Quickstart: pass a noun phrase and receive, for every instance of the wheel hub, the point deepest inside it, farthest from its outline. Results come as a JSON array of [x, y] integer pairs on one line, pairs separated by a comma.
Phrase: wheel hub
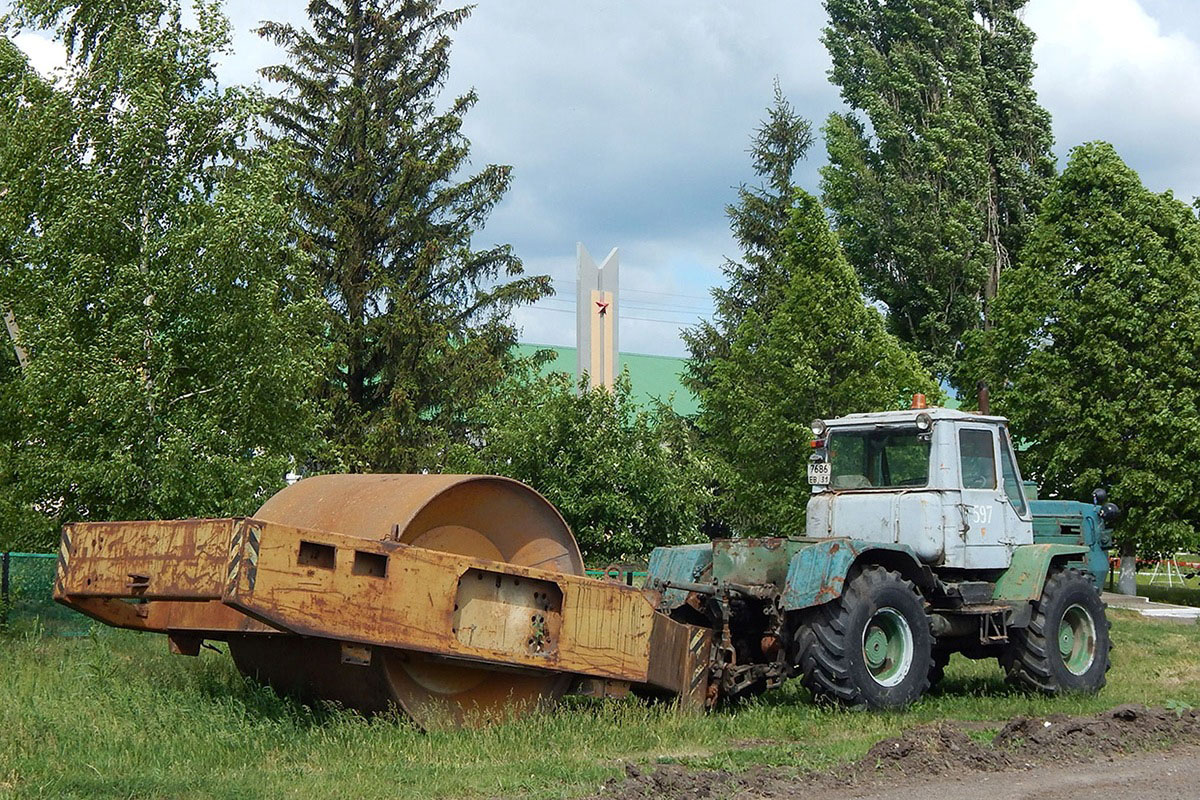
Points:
[[887, 646], [1077, 639]]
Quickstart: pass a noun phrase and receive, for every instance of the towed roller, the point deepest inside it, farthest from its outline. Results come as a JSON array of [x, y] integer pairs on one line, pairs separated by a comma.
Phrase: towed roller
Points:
[[488, 518], [455, 599]]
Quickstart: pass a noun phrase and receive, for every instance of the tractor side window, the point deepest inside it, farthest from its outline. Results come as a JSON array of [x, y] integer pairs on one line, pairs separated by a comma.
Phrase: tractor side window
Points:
[[1012, 481], [977, 457]]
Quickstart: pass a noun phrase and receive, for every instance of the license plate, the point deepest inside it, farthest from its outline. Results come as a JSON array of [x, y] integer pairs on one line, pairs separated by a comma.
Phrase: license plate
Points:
[[818, 473]]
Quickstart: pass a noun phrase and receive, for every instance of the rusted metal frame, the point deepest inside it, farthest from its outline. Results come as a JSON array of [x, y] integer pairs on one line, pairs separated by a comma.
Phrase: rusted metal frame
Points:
[[152, 560], [156, 576], [199, 579], [602, 629]]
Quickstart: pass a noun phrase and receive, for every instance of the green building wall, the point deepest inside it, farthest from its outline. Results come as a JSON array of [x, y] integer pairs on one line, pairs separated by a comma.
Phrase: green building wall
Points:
[[652, 377]]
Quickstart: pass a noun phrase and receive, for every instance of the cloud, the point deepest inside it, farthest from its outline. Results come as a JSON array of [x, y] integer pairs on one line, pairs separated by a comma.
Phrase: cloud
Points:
[[627, 124], [45, 54], [1108, 69]]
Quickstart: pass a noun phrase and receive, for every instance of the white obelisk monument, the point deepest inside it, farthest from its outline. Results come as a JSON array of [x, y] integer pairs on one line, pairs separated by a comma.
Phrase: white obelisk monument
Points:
[[596, 318]]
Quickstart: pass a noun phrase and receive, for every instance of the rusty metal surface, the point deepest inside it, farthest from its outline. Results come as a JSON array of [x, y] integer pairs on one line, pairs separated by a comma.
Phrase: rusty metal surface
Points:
[[484, 517], [456, 599], [679, 661], [443, 604], [154, 560], [155, 576]]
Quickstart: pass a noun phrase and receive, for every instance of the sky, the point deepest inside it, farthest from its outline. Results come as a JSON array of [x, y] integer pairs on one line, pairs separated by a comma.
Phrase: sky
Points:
[[627, 123]]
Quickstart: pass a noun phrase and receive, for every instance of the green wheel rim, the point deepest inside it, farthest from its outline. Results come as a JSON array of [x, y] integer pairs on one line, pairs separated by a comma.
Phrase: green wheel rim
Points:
[[1077, 639], [887, 645]]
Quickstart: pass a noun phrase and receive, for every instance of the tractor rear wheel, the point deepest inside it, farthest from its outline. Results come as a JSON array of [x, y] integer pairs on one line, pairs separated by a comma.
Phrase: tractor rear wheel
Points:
[[871, 647], [1066, 646]]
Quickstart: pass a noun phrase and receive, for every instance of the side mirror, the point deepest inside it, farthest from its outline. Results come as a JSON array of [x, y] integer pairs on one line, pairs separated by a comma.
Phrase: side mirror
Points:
[[1109, 512], [1100, 497]]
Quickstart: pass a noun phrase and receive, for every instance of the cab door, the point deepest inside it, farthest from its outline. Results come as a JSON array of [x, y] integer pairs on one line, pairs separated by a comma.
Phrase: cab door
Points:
[[1018, 519], [987, 542]]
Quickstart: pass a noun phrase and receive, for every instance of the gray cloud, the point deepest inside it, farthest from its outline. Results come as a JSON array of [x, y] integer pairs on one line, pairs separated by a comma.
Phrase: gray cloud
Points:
[[627, 124]]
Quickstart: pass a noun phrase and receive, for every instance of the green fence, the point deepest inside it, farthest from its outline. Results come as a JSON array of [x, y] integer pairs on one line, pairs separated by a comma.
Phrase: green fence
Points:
[[26, 597]]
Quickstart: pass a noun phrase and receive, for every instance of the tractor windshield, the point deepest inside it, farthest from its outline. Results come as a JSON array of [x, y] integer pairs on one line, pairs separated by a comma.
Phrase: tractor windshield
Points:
[[881, 458]]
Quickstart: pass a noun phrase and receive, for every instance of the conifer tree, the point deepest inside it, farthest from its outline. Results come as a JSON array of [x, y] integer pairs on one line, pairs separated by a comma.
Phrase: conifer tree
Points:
[[418, 315], [757, 220]]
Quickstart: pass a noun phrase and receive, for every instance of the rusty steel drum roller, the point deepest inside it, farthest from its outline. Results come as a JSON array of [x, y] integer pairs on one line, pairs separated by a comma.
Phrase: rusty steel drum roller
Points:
[[481, 516]]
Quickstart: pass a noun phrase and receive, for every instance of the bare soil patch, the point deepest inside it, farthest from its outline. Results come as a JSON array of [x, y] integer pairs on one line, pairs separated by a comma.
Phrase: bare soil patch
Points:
[[929, 752]]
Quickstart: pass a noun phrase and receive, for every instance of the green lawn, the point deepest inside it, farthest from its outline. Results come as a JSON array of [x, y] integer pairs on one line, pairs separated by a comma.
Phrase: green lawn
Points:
[[114, 715]]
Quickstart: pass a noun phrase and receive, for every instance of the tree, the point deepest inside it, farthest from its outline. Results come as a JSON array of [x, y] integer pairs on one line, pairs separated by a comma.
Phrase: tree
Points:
[[34, 131], [757, 220], [933, 191], [417, 315], [815, 350], [172, 335], [1094, 353], [626, 478], [1020, 164]]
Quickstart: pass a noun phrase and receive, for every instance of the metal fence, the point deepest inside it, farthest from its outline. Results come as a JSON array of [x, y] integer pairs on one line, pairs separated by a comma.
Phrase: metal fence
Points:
[[26, 597]]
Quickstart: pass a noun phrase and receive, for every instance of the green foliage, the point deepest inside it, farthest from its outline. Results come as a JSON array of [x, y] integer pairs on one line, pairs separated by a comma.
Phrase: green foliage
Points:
[[417, 315], [1095, 350], [626, 478], [813, 349], [150, 262], [933, 190], [757, 220]]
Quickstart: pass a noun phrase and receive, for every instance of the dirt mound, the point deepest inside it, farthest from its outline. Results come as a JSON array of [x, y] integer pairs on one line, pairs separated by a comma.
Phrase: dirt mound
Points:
[[930, 750]]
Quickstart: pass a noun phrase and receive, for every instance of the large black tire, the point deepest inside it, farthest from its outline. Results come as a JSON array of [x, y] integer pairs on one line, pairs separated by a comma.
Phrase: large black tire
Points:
[[1066, 646], [871, 647]]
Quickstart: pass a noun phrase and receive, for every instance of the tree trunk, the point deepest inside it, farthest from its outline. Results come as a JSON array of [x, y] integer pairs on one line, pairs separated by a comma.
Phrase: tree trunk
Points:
[[1127, 582]]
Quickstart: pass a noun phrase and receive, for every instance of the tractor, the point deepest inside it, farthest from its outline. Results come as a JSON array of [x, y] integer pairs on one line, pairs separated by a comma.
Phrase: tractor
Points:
[[920, 541]]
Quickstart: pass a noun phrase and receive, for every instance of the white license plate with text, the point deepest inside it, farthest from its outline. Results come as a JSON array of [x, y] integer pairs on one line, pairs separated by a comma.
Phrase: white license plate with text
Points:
[[818, 473]]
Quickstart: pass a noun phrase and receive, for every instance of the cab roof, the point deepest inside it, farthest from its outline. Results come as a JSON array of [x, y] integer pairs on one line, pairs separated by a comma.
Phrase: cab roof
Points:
[[909, 415]]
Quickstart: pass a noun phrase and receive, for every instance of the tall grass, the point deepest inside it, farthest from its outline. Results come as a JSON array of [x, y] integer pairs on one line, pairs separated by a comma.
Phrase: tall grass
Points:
[[113, 715]]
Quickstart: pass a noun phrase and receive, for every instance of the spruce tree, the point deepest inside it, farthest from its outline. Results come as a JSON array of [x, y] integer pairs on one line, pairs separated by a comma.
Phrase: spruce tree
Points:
[[934, 175], [418, 316], [1094, 353], [757, 220]]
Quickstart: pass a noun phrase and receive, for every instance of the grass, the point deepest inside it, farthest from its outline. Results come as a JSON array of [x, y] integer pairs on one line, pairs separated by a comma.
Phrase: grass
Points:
[[113, 715], [1186, 595]]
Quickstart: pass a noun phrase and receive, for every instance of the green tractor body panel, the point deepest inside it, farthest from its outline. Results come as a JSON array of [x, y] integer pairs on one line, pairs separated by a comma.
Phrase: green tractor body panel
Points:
[[1069, 522], [754, 562], [684, 564], [1024, 578]]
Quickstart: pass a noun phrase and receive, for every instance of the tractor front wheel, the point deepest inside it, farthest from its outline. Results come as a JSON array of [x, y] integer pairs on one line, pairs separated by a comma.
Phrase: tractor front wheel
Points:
[[871, 647], [1065, 647]]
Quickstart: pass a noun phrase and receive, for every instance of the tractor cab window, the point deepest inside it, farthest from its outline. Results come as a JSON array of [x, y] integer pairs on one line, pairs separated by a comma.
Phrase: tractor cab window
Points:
[[889, 458], [1012, 481], [977, 458]]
